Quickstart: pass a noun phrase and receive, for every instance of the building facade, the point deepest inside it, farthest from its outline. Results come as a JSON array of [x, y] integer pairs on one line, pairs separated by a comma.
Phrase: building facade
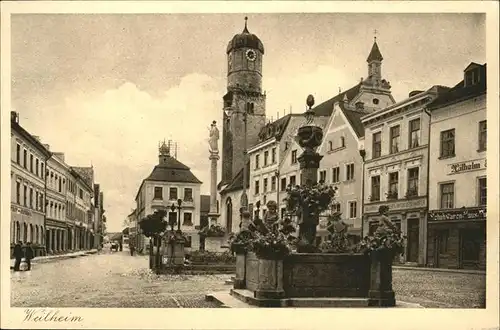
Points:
[[83, 211], [457, 165], [56, 224], [28, 192], [396, 169], [169, 182]]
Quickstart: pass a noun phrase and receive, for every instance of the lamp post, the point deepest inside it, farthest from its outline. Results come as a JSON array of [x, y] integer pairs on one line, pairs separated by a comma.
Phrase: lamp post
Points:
[[229, 111]]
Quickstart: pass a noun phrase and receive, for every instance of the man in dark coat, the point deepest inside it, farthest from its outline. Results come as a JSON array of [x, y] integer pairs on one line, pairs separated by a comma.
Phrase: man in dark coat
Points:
[[18, 255], [29, 255]]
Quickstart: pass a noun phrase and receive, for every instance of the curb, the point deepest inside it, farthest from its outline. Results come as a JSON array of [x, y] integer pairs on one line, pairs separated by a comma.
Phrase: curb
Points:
[[442, 270], [47, 259]]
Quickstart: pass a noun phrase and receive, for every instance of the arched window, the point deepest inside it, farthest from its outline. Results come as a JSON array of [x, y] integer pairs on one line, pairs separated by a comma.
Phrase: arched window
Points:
[[32, 233], [229, 214]]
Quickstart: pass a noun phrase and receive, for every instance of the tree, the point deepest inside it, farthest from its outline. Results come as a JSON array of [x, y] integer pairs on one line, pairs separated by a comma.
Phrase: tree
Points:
[[153, 226]]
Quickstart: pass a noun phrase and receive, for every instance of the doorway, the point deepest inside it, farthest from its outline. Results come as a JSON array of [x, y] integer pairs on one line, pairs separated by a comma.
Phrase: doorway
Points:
[[470, 248], [413, 233]]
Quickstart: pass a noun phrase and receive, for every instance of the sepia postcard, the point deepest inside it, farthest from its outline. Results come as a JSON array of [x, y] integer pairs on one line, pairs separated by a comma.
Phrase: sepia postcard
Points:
[[249, 164]]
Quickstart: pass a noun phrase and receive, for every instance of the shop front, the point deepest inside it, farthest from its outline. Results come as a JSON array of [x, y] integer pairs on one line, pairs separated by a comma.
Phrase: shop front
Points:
[[410, 216], [57, 236], [457, 238], [27, 226]]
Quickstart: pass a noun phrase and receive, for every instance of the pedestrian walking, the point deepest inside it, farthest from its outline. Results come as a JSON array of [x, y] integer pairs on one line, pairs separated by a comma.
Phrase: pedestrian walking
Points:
[[121, 246], [132, 250], [28, 255], [18, 255]]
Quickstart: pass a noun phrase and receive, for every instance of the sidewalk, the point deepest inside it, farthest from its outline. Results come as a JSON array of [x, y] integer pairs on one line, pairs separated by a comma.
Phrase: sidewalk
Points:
[[443, 270], [39, 260]]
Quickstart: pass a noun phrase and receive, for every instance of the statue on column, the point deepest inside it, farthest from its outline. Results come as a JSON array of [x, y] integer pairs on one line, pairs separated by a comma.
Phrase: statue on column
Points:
[[213, 140]]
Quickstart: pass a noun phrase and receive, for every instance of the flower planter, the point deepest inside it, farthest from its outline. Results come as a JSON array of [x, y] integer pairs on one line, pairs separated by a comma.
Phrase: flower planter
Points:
[[381, 293]]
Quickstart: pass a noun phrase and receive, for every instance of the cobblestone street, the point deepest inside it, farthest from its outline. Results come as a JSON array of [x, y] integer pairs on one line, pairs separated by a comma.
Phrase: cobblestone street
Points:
[[119, 280], [109, 280]]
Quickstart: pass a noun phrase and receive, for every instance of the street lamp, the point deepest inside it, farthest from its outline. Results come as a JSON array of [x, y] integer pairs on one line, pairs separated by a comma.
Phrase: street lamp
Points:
[[229, 111]]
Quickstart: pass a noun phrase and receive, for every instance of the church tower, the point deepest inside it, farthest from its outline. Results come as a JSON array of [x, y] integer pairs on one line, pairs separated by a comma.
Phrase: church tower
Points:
[[245, 54]]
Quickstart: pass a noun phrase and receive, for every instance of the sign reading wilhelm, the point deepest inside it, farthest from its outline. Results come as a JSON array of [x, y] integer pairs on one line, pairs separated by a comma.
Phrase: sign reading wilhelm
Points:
[[468, 166]]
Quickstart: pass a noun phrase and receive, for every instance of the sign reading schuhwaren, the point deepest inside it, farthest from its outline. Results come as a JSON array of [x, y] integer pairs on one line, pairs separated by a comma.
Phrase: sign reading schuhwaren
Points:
[[458, 214], [467, 166]]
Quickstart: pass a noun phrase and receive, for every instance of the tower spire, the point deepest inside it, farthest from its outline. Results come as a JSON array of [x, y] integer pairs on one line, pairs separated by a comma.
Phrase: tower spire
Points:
[[245, 30]]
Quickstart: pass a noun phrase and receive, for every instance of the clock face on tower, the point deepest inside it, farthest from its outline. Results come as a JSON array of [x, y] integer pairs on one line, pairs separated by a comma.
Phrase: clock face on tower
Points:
[[251, 55]]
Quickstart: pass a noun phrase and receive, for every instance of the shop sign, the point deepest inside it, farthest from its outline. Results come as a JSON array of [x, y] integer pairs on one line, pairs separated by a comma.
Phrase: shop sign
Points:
[[468, 166], [20, 210], [458, 214], [397, 205]]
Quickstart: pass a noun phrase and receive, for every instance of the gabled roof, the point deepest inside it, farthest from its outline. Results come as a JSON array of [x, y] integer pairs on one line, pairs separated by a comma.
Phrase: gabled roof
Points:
[[274, 129], [326, 108], [460, 92], [354, 118], [172, 170], [237, 183], [375, 54]]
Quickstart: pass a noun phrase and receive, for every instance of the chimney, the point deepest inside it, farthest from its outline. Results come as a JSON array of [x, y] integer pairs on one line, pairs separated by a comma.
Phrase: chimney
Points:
[[14, 117]]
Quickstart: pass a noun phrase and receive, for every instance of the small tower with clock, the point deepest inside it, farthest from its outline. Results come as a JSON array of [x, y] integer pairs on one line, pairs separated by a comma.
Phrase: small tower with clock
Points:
[[245, 54]]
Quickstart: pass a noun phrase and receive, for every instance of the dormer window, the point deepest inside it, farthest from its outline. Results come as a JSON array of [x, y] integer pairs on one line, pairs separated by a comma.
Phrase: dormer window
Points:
[[472, 77], [360, 105]]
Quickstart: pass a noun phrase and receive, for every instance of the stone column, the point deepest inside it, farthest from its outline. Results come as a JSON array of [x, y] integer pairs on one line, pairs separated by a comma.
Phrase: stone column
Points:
[[49, 242], [213, 215]]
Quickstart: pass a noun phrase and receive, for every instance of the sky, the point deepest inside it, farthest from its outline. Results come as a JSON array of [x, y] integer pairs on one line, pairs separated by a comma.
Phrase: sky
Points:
[[105, 89]]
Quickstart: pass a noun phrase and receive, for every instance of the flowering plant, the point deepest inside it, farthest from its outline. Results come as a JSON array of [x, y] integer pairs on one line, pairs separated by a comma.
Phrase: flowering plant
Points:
[[241, 242], [213, 231], [313, 199], [337, 244], [271, 245], [385, 238]]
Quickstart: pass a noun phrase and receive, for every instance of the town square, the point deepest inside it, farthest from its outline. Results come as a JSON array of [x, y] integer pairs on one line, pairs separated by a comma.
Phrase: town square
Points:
[[248, 160]]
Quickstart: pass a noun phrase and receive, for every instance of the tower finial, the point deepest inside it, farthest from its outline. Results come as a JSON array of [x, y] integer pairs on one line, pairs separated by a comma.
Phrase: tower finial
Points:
[[375, 35], [246, 28]]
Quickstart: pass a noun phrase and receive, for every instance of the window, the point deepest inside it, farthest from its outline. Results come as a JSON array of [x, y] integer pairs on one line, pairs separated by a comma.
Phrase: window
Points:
[[472, 77], [188, 194], [412, 182], [257, 187], [414, 133], [188, 219], [60, 185], [393, 185], [292, 180], [257, 161], [482, 136], [352, 210], [394, 139], [283, 184], [158, 193], [36, 200], [448, 143], [447, 195], [322, 176], [335, 174], [81, 193], [31, 197], [482, 191], [349, 172], [31, 163], [36, 166], [377, 145], [336, 207], [18, 192], [273, 155], [41, 203], [42, 171], [330, 145], [342, 142], [25, 159], [172, 194], [25, 196], [266, 158], [18, 153], [294, 156], [265, 185], [442, 237], [273, 183], [375, 196]]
